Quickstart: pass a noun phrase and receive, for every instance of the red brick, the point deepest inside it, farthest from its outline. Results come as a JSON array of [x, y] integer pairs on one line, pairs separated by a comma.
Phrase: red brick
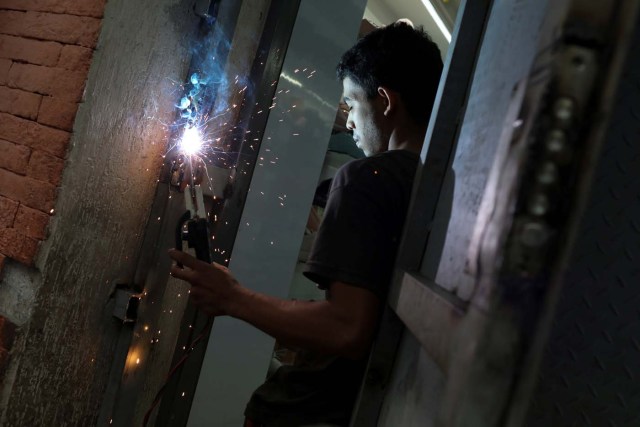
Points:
[[36, 194], [5, 66], [63, 84], [93, 8], [57, 113], [75, 58], [19, 102], [16, 245], [51, 26], [34, 135], [7, 333], [14, 157], [27, 50], [45, 167], [8, 209], [31, 222]]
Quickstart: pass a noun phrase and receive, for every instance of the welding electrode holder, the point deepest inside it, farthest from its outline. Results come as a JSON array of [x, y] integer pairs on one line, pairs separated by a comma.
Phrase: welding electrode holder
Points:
[[196, 235], [192, 226]]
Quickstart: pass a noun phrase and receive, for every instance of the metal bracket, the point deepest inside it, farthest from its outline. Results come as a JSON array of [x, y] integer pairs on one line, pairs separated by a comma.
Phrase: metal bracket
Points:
[[126, 305]]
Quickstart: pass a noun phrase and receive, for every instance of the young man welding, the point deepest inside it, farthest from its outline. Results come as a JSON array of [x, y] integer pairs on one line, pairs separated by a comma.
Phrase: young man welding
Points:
[[389, 78]]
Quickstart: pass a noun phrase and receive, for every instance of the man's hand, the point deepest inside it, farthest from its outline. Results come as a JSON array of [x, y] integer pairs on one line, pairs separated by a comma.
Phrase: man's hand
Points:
[[213, 288]]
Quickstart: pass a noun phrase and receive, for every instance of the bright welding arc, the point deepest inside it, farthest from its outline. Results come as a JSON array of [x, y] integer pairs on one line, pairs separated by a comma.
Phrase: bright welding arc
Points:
[[191, 142]]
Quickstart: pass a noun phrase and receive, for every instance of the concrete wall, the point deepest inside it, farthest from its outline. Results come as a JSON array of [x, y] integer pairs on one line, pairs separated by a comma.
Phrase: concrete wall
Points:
[[64, 349]]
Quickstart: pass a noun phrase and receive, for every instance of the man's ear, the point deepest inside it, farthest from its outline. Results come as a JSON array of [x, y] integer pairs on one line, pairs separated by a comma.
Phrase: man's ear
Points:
[[390, 98]]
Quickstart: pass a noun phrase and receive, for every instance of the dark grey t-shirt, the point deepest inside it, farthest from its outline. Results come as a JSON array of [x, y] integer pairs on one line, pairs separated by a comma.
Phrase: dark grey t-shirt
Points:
[[356, 244], [362, 222]]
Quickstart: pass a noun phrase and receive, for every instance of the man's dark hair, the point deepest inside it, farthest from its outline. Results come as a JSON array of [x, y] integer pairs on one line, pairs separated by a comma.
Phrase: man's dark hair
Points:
[[401, 58]]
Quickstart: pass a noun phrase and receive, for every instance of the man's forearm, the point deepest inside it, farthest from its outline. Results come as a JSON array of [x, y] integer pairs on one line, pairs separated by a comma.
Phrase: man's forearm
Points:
[[322, 326], [341, 325]]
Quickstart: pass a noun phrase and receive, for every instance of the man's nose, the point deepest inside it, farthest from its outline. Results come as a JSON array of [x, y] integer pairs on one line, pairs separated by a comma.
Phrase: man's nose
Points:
[[350, 124]]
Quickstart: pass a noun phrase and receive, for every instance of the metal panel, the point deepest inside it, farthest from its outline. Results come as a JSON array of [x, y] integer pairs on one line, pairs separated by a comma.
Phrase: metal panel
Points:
[[518, 271], [505, 59], [272, 226], [435, 331], [589, 373]]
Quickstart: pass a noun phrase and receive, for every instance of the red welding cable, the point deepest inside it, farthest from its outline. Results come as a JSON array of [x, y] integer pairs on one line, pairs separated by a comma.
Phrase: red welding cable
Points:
[[176, 368]]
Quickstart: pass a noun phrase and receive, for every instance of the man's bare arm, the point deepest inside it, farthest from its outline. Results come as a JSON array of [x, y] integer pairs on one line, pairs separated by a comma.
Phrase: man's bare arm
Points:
[[342, 325]]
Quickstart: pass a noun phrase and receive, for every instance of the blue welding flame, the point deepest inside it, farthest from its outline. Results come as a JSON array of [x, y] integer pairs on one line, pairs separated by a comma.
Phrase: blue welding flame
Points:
[[206, 98], [190, 105]]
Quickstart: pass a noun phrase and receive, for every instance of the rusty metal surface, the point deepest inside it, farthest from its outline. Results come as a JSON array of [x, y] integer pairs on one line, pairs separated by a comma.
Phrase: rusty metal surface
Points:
[[590, 369]]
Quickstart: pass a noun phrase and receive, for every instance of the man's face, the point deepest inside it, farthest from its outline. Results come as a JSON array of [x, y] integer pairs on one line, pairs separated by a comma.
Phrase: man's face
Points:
[[366, 118]]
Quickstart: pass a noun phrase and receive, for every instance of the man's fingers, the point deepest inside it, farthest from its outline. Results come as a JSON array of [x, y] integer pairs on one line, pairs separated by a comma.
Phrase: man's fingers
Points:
[[220, 266], [183, 258], [181, 273]]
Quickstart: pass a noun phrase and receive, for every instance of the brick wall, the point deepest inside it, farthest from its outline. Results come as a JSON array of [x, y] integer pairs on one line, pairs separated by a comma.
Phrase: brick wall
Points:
[[45, 51], [46, 48]]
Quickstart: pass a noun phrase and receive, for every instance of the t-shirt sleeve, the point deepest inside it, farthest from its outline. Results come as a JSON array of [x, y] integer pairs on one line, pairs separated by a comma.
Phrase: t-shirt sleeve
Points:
[[357, 240]]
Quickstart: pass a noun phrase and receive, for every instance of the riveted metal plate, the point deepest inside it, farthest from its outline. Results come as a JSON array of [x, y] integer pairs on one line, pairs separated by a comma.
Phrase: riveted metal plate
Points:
[[590, 372]]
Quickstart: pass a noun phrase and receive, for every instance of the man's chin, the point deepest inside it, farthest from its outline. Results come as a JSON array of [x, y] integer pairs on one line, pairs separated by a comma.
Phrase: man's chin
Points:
[[363, 147]]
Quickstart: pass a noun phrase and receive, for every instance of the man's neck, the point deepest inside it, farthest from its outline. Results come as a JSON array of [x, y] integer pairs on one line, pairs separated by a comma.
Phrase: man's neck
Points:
[[408, 138]]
